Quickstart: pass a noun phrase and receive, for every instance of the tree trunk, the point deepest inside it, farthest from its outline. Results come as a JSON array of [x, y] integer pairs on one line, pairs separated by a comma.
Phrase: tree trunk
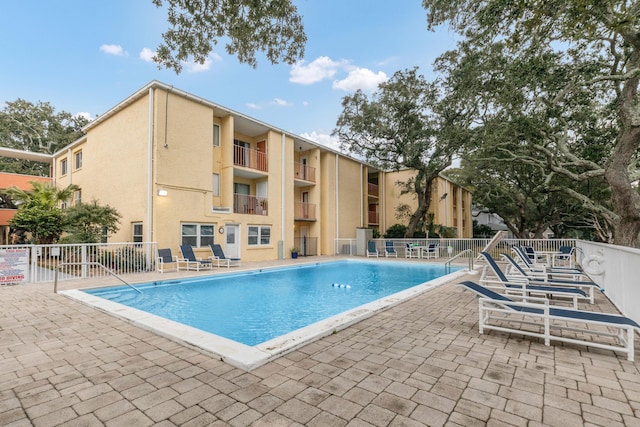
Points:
[[424, 200], [625, 200]]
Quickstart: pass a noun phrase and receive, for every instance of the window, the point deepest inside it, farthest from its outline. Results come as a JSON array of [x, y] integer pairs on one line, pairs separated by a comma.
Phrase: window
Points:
[[259, 235], [137, 232], [63, 167], [216, 135], [216, 184], [77, 197], [198, 235], [105, 234], [78, 159]]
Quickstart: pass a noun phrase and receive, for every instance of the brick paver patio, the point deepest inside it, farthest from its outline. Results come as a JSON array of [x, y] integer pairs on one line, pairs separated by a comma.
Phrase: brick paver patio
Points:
[[422, 362]]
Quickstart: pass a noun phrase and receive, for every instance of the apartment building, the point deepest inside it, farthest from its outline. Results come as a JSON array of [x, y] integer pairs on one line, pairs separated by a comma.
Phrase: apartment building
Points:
[[183, 170]]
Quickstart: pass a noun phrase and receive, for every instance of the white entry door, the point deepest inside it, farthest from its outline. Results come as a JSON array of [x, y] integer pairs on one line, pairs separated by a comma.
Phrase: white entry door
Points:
[[232, 247]]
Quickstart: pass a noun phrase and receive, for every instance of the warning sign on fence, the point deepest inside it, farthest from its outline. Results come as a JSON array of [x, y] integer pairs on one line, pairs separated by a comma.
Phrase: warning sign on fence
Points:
[[14, 265]]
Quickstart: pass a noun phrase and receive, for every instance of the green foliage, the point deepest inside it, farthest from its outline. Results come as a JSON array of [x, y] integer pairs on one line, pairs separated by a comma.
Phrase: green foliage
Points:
[[273, 27], [86, 221], [395, 231], [38, 128], [482, 230], [401, 125], [45, 225], [553, 85], [124, 259]]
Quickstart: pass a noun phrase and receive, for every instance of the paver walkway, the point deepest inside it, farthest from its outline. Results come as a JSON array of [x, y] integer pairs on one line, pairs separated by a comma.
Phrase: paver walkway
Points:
[[419, 363]]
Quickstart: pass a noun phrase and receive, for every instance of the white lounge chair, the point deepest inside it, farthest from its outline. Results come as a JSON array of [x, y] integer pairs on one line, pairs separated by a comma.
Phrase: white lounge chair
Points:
[[221, 260], [371, 249], [191, 262], [390, 250], [166, 261], [525, 287], [497, 312]]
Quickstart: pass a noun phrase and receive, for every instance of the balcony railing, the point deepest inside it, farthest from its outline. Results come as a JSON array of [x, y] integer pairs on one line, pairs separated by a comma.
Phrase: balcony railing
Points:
[[250, 158], [305, 172], [304, 210], [373, 189], [250, 205], [373, 217]]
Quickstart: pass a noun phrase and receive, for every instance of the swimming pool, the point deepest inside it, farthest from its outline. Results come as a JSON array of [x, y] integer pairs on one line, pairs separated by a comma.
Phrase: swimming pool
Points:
[[270, 310]]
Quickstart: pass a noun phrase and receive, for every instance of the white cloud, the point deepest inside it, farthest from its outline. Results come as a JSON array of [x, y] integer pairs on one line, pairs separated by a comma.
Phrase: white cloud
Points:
[[254, 106], [147, 54], [323, 138], [113, 49], [85, 115], [281, 102], [319, 69], [360, 78], [194, 67]]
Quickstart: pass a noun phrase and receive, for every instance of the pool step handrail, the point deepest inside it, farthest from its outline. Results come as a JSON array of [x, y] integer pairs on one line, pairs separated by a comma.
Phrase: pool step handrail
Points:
[[466, 251], [55, 280]]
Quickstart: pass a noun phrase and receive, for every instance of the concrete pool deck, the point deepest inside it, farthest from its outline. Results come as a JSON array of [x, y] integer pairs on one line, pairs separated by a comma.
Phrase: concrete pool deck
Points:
[[421, 362]]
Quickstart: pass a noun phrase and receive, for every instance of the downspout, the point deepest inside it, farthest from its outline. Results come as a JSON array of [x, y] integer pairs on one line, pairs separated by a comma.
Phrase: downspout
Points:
[[283, 208], [150, 171], [361, 198], [337, 198]]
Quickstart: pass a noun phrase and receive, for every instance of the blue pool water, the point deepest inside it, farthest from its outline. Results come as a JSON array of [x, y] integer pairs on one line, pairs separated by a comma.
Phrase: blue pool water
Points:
[[254, 307]]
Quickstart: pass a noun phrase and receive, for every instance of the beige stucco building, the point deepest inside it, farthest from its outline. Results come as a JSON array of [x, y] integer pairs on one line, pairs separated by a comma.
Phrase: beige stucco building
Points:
[[184, 170]]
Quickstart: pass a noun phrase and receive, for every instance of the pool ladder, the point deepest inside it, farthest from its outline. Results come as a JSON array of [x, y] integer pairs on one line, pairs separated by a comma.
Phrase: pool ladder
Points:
[[55, 280], [447, 264]]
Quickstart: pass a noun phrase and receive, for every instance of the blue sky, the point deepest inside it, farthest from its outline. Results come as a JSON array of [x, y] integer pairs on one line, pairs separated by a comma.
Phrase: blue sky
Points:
[[85, 57]]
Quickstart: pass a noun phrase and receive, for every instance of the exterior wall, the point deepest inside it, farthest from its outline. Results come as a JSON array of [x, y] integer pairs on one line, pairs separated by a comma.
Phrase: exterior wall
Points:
[[183, 159], [450, 203]]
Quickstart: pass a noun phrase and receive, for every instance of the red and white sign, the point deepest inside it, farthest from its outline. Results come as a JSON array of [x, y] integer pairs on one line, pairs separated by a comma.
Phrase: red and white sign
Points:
[[14, 265]]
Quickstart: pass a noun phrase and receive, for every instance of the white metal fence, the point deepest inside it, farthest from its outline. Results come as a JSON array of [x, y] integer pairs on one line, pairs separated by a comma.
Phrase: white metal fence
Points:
[[75, 259]]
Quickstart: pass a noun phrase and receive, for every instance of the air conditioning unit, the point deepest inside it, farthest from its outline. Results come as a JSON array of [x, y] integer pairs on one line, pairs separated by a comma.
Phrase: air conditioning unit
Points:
[[221, 209]]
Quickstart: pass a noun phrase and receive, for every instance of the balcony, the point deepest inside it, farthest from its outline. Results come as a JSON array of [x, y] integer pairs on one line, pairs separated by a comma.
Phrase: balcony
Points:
[[250, 205], [373, 217], [304, 211], [372, 189], [304, 172], [250, 158]]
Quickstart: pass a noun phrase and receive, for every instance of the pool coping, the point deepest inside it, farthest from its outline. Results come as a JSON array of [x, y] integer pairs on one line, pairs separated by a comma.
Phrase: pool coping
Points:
[[241, 355]]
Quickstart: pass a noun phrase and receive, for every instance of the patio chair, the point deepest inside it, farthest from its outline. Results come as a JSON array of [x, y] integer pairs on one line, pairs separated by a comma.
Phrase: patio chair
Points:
[[412, 251], [431, 251], [164, 259], [390, 250], [564, 257], [525, 287], [498, 312], [371, 249], [191, 262], [220, 259]]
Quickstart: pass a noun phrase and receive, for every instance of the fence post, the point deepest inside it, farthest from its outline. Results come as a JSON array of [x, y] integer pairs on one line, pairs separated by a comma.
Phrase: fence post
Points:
[[83, 259]]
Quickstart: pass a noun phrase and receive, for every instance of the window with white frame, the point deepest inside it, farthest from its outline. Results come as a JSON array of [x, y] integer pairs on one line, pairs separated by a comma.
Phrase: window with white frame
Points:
[[78, 159], [259, 235], [198, 235], [137, 233], [216, 184], [77, 197], [216, 135], [63, 167]]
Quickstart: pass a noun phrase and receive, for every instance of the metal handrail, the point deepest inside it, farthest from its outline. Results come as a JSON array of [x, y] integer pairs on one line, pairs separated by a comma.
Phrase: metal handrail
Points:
[[448, 263], [55, 280]]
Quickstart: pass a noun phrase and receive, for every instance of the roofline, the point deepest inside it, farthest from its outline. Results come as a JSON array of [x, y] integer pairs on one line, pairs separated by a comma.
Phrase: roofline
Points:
[[26, 155]]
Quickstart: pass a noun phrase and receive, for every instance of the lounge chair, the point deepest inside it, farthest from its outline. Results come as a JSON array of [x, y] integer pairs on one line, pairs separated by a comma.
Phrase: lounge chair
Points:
[[527, 264], [516, 271], [191, 262], [389, 249], [497, 312], [412, 251], [525, 287], [431, 251], [371, 249], [221, 260], [166, 258]]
